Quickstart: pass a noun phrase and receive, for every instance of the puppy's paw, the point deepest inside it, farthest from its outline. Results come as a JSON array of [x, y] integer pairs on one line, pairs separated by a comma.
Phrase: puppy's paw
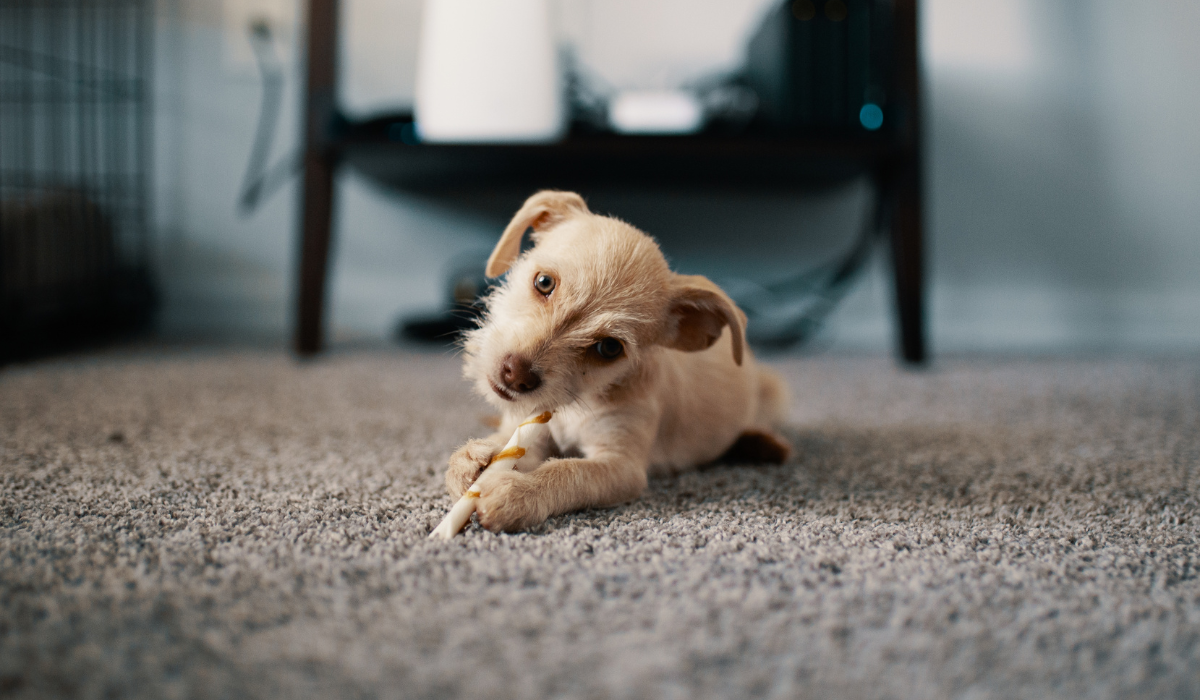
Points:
[[509, 502], [467, 464]]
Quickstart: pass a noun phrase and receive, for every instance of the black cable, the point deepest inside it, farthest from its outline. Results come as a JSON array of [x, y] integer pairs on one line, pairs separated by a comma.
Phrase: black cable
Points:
[[825, 285], [260, 182]]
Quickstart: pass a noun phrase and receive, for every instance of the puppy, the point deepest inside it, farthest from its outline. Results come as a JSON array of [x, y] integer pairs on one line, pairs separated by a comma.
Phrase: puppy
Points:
[[647, 370]]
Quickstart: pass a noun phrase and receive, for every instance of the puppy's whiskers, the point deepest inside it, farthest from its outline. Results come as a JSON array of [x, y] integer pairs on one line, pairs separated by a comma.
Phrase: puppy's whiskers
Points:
[[577, 400]]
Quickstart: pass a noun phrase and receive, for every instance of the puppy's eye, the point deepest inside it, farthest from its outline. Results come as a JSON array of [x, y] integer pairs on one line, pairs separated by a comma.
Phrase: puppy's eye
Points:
[[609, 348], [544, 284]]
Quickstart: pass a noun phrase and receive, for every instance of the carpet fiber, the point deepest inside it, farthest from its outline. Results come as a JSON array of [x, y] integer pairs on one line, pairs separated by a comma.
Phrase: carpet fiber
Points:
[[236, 524]]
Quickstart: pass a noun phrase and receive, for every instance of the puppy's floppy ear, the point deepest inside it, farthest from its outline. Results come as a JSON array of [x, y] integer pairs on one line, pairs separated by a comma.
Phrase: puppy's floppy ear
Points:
[[541, 211], [701, 310]]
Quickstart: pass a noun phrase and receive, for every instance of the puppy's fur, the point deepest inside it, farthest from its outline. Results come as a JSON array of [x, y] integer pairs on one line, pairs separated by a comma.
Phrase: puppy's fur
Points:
[[682, 391]]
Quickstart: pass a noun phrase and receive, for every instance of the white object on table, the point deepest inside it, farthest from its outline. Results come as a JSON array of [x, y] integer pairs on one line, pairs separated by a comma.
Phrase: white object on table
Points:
[[488, 71], [655, 112], [524, 437]]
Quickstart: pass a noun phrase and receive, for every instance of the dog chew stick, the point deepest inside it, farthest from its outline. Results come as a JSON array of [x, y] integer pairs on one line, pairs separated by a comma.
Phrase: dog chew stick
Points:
[[526, 434]]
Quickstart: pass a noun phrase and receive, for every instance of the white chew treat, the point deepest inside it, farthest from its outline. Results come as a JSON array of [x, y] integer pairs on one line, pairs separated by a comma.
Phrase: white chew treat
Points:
[[526, 434]]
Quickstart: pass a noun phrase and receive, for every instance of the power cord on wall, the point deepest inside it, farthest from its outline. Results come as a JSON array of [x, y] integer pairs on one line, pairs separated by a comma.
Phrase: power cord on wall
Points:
[[261, 181]]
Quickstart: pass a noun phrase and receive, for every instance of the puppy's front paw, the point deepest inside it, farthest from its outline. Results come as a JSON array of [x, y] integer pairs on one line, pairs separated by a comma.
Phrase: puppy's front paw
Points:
[[467, 464], [509, 502]]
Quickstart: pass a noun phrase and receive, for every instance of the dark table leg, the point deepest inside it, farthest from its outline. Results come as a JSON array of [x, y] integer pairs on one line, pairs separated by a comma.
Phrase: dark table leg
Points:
[[316, 231], [320, 166], [904, 185]]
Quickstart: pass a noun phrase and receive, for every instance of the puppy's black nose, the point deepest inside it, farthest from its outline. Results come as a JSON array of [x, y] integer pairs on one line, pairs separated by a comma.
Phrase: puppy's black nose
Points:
[[517, 374]]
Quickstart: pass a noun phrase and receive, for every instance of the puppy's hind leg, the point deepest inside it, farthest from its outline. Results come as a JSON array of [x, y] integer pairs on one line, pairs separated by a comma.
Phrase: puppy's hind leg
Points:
[[757, 447], [759, 444]]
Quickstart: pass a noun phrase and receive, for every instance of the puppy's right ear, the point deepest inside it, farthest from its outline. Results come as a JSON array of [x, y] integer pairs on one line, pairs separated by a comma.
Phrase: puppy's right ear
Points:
[[541, 211]]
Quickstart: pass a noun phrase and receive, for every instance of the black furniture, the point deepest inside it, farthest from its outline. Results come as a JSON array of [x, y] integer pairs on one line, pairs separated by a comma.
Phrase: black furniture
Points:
[[385, 148]]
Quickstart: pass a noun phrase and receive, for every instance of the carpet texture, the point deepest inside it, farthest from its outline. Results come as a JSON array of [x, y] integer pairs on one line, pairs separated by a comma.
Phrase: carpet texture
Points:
[[237, 524]]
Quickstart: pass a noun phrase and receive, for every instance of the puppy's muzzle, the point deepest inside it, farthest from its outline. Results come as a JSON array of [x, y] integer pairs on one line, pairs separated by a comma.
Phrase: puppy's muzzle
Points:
[[516, 377]]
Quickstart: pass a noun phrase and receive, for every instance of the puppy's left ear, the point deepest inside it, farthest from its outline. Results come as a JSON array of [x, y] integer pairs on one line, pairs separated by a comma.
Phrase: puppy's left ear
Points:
[[701, 310], [541, 211]]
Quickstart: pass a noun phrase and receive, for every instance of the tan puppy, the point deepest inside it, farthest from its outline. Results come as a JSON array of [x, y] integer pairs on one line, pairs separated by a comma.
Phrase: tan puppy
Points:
[[647, 370]]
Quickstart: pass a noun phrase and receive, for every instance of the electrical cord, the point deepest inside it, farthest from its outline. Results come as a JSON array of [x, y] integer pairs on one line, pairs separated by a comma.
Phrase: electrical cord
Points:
[[260, 182], [792, 311]]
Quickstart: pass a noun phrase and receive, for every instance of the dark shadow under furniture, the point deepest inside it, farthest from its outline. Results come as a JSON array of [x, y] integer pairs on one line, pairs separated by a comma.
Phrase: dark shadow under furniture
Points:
[[385, 149]]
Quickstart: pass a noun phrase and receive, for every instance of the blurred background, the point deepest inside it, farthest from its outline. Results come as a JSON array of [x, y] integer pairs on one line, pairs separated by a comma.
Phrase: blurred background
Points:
[[1061, 196]]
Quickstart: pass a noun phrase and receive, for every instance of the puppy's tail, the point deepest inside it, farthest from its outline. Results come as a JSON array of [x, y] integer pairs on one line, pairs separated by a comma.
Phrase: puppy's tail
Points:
[[773, 398]]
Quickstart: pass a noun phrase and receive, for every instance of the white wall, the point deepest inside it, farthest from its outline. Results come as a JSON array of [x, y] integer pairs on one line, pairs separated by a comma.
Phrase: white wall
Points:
[[1062, 190], [220, 273]]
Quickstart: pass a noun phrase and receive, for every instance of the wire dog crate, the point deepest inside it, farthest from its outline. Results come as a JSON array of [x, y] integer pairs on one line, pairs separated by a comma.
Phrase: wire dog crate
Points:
[[75, 139]]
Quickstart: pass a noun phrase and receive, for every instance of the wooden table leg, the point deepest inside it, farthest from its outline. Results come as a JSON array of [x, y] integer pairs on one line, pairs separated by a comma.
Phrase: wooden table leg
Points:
[[320, 166], [904, 176], [316, 232]]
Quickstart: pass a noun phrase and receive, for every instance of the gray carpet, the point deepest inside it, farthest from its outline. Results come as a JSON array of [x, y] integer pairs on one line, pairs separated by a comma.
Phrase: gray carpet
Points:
[[235, 524]]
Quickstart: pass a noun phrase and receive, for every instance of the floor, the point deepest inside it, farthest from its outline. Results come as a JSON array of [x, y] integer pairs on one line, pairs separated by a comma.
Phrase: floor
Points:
[[233, 523]]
